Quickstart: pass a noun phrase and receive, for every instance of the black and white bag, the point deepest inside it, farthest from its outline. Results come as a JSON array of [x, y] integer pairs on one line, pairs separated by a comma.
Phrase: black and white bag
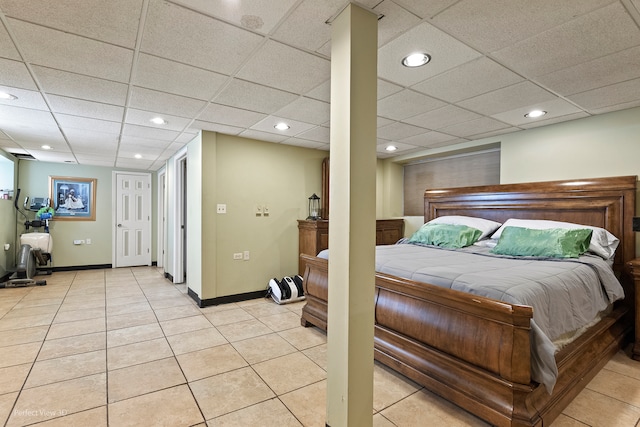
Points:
[[287, 290]]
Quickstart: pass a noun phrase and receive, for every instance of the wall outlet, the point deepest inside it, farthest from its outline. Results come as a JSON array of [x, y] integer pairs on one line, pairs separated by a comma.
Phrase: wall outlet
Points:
[[265, 210], [88, 241], [222, 208], [237, 255], [246, 255], [258, 210]]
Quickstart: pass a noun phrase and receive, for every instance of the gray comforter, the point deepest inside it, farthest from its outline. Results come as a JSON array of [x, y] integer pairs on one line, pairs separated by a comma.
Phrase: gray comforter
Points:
[[566, 294]]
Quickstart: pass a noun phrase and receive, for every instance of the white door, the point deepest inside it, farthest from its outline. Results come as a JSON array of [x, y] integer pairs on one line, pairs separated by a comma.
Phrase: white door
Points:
[[133, 219]]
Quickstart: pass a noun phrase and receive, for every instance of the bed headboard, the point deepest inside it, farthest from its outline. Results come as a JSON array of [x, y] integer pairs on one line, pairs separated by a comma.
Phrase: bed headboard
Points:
[[601, 202]]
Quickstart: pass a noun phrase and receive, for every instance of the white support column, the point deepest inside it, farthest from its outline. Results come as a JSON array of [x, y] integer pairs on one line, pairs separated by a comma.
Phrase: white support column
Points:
[[352, 234]]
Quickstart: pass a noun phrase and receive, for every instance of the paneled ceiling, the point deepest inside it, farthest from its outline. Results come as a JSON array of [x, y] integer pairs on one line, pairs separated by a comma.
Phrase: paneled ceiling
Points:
[[90, 74]]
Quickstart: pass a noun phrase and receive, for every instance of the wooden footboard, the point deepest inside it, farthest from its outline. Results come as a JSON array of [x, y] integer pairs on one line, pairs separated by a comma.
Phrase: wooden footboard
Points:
[[471, 350], [475, 351]]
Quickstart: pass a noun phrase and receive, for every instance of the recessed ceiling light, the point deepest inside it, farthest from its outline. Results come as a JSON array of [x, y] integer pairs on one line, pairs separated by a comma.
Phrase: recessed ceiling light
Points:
[[138, 156], [416, 59], [158, 121], [282, 126], [46, 147], [391, 148], [5, 95], [535, 114]]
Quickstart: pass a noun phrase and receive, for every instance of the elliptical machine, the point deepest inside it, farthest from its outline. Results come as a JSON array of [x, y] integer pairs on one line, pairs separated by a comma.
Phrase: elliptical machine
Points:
[[35, 247]]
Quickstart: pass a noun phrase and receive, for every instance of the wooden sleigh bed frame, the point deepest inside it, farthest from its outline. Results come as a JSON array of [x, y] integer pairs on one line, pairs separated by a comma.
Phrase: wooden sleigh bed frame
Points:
[[475, 351]]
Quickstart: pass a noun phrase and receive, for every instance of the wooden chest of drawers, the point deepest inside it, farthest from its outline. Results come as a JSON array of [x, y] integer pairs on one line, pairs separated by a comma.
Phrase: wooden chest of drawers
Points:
[[314, 236]]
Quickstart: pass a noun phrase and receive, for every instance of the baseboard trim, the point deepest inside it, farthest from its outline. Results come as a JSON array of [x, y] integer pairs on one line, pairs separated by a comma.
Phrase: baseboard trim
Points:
[[224, 299], [82, 267]]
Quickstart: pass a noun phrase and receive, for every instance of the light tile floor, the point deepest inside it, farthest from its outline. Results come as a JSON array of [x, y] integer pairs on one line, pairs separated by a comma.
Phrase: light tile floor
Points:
[[125, 347]]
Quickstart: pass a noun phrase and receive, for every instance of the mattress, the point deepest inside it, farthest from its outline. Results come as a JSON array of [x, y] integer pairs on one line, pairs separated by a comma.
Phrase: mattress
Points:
[[566, 294]]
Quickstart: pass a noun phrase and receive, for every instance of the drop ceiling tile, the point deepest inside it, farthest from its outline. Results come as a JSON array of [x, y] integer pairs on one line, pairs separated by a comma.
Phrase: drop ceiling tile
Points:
[[149, 132], [580, 40], [490, 25], [442, 117], [41, 46], [262, 136], [142, 118], [7, 48], [257, 16], [36, 137], [494, 133], [506, 99], [217, 113], [79, 107], [604, 71], [162, 102], [305, 27], [617, 107], [254, 97], [619, 93], [473, 78], [299, 142], [295, 127], [386, 88], [474, 127], [15, 74], [217, 127], [74, 122], [396, 20], [446, 53], [406, 103], [87, 141], [26, 98], [283, 67], [180, 79], [400, 148], [52, 156], [397, 131], [428, 139], [318, 134], [185, 137], [113, 21], [128, 163], [322, 92], [381, 121], [100, 161], [14, 117], [182, 35], [306, 110], [128, 151], [425, 9], [554, 108], [142, 142], [63, 83], [551, 121]]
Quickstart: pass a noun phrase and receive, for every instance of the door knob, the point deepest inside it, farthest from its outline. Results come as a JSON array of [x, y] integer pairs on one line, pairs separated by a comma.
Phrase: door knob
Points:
[[119, 225]]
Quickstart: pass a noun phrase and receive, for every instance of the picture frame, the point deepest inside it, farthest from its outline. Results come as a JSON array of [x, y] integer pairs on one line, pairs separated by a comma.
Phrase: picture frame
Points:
[[73, 199]]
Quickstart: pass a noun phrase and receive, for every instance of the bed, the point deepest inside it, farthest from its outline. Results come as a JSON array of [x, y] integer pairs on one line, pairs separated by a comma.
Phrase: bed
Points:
[[475, 351]]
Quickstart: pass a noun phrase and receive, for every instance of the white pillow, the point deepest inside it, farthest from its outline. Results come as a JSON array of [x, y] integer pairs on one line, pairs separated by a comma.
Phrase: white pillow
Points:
[[603, 243], [484, 225]]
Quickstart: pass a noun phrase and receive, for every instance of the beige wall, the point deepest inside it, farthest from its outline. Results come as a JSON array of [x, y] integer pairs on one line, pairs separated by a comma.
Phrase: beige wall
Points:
[[33, 179], [598, 146], [243, 174], [8, 222]]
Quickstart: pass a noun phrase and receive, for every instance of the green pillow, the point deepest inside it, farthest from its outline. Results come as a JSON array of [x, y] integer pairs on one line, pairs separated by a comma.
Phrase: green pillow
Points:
[[551, 242], [446, 235]]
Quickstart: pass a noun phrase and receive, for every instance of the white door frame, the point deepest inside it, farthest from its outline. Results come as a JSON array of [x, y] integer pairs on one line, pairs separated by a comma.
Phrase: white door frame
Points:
[[178, 214], [114, 231], [161, 215]]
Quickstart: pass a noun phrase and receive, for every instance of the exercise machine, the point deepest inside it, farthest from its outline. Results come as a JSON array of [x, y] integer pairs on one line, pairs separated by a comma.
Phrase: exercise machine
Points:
[[35, 247]]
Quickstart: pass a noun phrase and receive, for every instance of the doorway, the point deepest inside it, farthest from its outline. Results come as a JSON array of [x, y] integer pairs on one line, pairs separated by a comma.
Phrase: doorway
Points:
[[180, 212], [132, 227]]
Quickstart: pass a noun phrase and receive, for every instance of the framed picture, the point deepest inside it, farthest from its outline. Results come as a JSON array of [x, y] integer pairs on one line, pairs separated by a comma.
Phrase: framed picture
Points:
[[73, 198]]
